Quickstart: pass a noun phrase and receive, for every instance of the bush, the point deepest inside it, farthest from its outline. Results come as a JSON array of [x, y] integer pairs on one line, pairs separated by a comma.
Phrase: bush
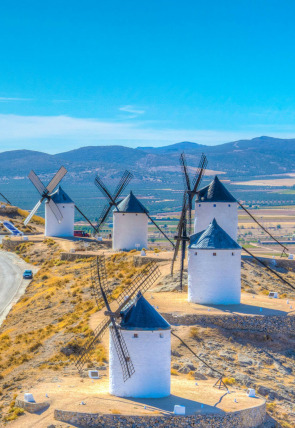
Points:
[[194, 332], [229, 380]]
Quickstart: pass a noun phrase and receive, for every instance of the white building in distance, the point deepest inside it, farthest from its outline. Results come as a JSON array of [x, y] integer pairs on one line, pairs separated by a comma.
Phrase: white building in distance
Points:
[[65, 228], [215, 201], [130, 225], [214, 267], [148, 339]]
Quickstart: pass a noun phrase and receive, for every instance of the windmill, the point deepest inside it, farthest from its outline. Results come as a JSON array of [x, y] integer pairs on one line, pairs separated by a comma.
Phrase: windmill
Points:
[[111, 198], [141, 282], [184, 224], [129, 205], [215, 201], [125, 311], [55, 204], [45, 194]]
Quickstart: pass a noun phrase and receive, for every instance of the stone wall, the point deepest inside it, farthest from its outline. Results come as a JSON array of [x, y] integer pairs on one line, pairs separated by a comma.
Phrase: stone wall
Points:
[[266, 324], [74, 256], [247, 418], [31, 407], [144, 260], [10, 245], [284, 262]]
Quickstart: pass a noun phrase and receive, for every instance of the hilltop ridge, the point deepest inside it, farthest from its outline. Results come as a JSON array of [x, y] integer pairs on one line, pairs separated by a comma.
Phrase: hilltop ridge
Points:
[[258, 156]]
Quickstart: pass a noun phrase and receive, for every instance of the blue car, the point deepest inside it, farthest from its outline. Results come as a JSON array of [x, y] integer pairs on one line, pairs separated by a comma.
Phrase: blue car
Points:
[[28, 274]]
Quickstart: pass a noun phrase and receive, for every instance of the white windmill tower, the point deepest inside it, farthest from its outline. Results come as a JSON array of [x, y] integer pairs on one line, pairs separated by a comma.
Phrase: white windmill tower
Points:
[[214, 267], [215, 201], [140, 338], [59, 208], [130, 217], [64, 228], [130, 224], [148, 339]]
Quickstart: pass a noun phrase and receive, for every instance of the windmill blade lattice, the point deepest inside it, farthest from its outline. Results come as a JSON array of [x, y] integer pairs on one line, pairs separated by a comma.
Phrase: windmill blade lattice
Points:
[[184, 224], [112, 198], [45, 193], [142, 282]]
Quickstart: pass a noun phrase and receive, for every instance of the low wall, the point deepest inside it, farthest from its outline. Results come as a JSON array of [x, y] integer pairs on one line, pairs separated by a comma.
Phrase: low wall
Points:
[[74, 256], [284, 262], [266, 324], [31, 407], [144, 260], [247, 418], [10, 245]]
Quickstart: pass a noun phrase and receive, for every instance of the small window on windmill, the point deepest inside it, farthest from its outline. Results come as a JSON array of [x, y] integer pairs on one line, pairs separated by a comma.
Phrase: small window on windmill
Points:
[[229, 205], [123, 214], [200, 205], [135, 214], [214, 205], [214, 254], [196, 253], [161, 335], [232, 254], [135, 336]]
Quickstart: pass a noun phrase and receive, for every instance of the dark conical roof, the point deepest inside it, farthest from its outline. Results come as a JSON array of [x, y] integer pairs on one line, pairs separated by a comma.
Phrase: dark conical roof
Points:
[[131, 205], [213, 238], [60, 197], [215, 192], [141, 315]]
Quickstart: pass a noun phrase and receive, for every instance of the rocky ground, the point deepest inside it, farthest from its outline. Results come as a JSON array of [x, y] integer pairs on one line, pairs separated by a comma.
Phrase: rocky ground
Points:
[[46, 327]]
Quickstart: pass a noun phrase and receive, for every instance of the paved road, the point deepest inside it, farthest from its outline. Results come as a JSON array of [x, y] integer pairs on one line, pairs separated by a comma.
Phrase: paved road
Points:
[[12, 284]]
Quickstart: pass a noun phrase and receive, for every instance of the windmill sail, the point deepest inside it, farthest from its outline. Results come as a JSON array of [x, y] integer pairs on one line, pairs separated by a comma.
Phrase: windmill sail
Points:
[[111, 198], [141, 282], [184, 224], [45, 193]]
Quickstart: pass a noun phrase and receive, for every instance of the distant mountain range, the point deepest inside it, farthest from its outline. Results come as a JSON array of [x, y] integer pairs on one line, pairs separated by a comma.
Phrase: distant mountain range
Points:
[[244, 158]]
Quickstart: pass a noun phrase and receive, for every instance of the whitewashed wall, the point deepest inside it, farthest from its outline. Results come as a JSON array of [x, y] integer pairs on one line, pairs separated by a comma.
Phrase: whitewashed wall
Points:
[[129, 229], [225, 213], [216, 279], [66, 227], [151, 357]]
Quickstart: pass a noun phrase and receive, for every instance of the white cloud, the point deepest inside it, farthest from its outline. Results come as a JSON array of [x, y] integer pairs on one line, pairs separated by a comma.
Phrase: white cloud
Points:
[[131, 109], [8, 99], [59, 133]]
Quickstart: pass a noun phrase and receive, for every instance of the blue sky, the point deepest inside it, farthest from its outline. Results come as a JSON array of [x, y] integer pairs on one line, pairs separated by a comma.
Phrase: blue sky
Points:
[[144, 72]]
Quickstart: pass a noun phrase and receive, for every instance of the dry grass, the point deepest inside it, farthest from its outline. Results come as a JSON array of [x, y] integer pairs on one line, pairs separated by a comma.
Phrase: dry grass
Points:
[[229, 380], [194, 332], [37, 219]]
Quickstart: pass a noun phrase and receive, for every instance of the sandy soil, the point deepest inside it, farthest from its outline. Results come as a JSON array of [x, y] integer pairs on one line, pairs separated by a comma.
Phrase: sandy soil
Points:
[[67, 393], [250, 305]]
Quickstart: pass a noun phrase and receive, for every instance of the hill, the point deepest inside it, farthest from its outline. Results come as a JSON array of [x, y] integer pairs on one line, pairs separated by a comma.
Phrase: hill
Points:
[[61, 298], [243, 158]]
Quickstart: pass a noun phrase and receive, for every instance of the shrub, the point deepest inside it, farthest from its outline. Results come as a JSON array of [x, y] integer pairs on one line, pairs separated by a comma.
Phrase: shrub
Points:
[[194, 332], [229, 380]]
